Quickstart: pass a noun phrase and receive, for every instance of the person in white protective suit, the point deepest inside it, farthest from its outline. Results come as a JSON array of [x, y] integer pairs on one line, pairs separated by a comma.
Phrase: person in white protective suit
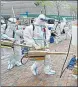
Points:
[[35, 39], [67, 27], [4, 36], [14, 54], [3, 28], [63, 24], [61, 31]]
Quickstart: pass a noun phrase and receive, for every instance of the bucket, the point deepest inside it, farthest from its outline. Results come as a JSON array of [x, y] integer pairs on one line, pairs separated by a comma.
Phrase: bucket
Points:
[[74, 35], [51, 39]]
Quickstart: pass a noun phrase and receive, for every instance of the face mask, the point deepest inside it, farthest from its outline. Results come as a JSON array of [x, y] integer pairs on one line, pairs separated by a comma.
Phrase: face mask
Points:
[[41, 22]]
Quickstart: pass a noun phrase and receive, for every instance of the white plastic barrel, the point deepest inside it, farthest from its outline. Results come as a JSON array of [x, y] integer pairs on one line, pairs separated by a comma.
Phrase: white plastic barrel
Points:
[[74, 35]]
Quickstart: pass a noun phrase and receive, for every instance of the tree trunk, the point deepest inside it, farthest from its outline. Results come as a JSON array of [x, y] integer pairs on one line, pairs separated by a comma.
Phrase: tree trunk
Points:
[[58, 13], [44, 9]]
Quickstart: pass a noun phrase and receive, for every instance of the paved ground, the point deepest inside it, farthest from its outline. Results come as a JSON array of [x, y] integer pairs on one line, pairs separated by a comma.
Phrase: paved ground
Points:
[[22, 76]]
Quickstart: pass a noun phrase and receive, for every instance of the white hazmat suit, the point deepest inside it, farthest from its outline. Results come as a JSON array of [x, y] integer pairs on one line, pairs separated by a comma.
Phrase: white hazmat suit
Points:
[[14, 54], [60, 28], [35, 38]]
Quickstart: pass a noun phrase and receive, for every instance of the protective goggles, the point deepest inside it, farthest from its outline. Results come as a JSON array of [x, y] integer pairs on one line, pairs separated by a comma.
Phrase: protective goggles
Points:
[[43, 19]]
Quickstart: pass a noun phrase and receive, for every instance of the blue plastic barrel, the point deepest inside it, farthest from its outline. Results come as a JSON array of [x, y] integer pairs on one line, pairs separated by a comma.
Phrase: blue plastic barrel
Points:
[[51, 39]]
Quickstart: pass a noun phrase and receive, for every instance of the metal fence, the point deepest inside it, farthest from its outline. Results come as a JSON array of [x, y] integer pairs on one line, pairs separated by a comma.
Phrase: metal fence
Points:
[[50, 16]]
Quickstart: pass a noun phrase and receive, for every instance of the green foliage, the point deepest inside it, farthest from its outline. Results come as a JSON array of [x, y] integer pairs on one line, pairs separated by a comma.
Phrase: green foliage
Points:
[[43, 3]]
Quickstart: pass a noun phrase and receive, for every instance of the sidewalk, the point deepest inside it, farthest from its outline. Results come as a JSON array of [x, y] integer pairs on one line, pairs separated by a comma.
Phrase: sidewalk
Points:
[[22, 76]]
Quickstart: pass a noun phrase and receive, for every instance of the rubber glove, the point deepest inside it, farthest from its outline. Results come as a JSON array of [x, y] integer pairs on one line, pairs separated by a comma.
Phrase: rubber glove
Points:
[[37, 47], [4, 36]]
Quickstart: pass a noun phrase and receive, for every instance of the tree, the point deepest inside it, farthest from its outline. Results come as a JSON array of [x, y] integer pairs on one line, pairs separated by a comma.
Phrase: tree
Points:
[[67, 5], [43, 4], [58, 5], [58, 8], [72, 8]]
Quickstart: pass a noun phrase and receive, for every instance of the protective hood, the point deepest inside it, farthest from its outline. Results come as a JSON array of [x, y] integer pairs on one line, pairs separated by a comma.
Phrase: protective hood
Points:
[[41, 20], [64, 20], [42, 17]]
